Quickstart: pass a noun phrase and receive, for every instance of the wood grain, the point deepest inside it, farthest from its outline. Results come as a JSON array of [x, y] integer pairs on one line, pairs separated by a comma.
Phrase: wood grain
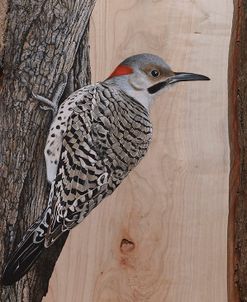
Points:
[[234, 280], [172, 210]]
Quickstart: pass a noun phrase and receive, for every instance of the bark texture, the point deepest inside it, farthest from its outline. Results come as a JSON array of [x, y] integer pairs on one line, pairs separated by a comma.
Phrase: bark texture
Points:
[[45, 51], [3, 11], [237, 230]]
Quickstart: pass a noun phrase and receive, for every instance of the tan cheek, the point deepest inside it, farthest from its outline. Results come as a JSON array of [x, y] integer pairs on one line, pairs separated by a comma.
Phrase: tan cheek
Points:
[[158, 79]]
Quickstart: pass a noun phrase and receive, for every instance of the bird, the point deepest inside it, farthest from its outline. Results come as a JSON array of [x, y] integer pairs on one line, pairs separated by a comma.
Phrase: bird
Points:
[[99, 134]]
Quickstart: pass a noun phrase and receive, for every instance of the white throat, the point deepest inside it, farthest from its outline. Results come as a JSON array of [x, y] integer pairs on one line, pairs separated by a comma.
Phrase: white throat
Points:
[[139, 94]]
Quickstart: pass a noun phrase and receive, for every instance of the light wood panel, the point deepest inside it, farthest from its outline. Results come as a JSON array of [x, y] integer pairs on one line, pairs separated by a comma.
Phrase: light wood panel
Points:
[[174, 206]]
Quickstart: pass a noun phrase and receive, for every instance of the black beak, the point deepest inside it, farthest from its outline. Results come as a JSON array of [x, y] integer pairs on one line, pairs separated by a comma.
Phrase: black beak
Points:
[[187, 76], [177, 77]]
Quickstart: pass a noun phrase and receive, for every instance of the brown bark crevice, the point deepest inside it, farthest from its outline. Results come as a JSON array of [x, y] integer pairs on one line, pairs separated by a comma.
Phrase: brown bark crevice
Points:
[[44, 41]]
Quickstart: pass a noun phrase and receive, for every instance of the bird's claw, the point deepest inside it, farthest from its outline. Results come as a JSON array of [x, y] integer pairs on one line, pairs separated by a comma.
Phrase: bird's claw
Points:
[[46, 108], [48, 105]]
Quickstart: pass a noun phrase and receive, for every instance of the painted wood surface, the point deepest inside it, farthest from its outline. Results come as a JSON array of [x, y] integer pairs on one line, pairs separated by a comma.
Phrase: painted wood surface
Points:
[[162, 236]]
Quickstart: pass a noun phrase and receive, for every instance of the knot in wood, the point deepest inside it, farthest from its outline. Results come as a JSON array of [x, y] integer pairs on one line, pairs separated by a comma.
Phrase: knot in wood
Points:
[[126, 246]]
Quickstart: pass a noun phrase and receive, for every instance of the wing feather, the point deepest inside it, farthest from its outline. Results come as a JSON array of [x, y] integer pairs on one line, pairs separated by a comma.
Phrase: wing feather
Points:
[[100, 145]]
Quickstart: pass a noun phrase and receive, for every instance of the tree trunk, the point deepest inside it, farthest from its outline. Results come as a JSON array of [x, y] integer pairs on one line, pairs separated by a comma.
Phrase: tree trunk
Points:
[[45, 51], [237, 228]]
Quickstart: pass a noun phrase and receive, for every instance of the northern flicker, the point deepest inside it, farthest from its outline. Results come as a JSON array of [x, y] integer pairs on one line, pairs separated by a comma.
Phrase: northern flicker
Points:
[[98, 136]]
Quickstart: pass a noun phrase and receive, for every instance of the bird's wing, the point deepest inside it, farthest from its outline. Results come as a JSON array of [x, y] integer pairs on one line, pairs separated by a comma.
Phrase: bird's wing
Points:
[[58, 127], [84, 172]]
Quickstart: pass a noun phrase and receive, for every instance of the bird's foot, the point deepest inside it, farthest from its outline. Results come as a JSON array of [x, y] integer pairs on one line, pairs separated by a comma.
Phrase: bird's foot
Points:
[[48, 105], [53, 105]]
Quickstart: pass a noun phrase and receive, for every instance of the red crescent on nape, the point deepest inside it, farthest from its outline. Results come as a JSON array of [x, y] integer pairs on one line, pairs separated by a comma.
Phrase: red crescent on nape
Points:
[[121, 70]]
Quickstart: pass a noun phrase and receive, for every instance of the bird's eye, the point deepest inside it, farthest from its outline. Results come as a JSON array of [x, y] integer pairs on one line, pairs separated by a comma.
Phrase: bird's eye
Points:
[[155, 73]]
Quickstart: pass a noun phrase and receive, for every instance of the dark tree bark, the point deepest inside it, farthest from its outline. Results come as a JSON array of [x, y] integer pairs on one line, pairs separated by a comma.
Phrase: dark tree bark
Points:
[[237, 227], [46, 42]]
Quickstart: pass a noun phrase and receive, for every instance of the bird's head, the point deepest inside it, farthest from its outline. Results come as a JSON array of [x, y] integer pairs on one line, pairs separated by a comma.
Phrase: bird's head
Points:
[[143, 76]]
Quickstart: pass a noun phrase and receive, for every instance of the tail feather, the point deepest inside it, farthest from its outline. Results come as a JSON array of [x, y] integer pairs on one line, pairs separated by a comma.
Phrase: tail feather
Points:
[[26, 253]]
